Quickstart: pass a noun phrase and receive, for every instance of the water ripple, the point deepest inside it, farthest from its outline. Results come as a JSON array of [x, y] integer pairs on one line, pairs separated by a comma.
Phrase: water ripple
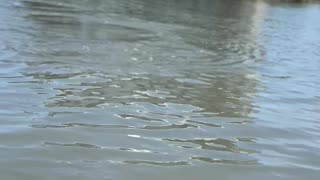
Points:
[[215, 144]]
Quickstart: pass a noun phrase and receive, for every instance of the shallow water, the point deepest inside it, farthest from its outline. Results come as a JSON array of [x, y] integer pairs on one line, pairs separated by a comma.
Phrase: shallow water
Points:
[[172, 89]]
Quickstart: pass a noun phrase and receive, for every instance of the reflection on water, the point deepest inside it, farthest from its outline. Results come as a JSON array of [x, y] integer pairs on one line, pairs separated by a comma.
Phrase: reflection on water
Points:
[[119, 90]]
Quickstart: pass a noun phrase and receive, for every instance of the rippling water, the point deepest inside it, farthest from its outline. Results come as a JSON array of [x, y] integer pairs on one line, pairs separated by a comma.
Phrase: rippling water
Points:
[[172, 89]]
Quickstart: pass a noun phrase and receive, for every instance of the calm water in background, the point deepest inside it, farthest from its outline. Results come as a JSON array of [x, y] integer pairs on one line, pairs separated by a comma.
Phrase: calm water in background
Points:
[[172, 89]]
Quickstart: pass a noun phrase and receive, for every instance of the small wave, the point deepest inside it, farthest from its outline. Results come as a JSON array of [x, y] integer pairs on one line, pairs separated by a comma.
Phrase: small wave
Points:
[[158, 163], [136, 117], [49, 6], [225, 161], [82, 145]]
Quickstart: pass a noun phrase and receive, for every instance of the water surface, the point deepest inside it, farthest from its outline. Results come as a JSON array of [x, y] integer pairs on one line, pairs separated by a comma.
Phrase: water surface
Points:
[[172, 89]]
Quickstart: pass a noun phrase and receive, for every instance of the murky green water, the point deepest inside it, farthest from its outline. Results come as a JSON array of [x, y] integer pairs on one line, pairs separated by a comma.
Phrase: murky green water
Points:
[[171, 89]]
